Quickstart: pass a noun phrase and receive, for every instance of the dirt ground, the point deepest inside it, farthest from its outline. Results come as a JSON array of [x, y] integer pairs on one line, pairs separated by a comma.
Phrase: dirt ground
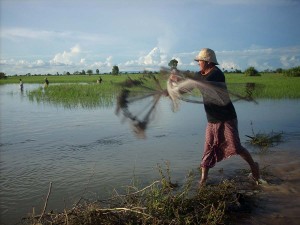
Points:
[[279, 200]]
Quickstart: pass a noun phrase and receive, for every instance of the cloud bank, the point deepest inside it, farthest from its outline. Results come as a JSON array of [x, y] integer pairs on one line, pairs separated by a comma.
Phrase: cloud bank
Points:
[[75, 59]]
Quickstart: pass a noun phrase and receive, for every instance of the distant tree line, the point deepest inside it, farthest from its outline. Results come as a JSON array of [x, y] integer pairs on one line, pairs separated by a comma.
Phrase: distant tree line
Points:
[[250, 71]]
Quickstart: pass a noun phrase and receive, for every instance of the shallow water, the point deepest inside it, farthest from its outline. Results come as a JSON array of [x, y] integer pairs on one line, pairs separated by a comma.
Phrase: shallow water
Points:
[[78, 148]]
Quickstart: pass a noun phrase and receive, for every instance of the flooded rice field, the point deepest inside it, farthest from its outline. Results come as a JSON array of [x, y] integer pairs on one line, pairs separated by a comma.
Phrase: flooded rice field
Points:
[[78, 147]]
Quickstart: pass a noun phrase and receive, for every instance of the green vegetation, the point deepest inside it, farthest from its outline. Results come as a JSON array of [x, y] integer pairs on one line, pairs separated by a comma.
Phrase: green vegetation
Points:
[[78, 90], [86, 95], [63, 79], [173, 64], [251, 71], [293, 72], [161, 202], [74, 95], [263, 140], [273, 85], [115, 70]]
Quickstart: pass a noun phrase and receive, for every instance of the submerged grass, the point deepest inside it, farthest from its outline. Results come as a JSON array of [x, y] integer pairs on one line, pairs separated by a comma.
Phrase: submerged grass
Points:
[[161, 202], [74, 95], [270, 85], [63, 79], [264, 140]]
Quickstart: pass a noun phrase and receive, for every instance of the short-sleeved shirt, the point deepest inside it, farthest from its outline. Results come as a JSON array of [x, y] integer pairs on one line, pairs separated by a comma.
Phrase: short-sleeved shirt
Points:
[[216, 113]]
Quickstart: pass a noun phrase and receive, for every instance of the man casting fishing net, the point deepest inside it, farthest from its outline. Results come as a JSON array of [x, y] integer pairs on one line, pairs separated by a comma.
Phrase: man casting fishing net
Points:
[[222, 136]]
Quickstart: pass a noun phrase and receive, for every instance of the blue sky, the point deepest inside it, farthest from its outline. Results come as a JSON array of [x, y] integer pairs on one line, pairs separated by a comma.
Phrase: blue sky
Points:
[[50, 36]]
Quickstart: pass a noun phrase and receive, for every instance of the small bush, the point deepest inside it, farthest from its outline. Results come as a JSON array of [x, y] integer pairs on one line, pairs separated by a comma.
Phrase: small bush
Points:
[[2, 75], [293, 72], [251, 71]]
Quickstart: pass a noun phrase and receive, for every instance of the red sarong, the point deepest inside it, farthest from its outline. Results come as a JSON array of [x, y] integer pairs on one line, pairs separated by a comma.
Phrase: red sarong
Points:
[[221, 141]]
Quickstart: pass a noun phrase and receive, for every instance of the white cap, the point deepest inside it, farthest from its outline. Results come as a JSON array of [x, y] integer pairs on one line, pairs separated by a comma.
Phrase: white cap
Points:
[[208, 55]]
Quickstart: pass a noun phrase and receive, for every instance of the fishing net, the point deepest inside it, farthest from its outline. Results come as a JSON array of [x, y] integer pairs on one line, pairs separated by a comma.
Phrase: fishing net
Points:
[[138, 100]]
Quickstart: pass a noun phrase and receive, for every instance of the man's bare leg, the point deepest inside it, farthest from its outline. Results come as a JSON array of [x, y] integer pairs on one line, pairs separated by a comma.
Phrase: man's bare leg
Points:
[[204, 175], [253, 165]]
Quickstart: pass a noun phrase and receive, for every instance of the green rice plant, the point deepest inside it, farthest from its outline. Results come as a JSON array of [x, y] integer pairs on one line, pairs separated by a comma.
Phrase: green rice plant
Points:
[[40, 79], [273, 86], [268, 85], [76, 95], [91, 95]]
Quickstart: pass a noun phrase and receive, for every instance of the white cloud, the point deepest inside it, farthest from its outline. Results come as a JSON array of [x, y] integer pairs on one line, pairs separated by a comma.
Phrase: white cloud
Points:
[[75, 49], [39, 62], [290, 61], [22, 63], [14, 33], [107, 64], [66, 58], [229, 65], [21, 33], [72, 60], [155, 58], [261, 58]]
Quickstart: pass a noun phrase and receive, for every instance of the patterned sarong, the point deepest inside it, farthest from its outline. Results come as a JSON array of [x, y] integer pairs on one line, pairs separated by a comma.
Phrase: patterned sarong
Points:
[[221, 141]]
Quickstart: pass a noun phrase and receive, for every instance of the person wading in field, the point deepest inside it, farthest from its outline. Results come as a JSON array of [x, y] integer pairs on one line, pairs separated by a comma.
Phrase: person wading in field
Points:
[[21, 85], [222, 136], [46, 84]]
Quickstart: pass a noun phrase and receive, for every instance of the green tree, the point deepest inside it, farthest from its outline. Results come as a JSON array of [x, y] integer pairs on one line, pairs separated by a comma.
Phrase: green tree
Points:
[[89, 72], [292, 72], [115, 70], [173, 64], [237, 71], [97, 71], [83, 72], [2, 75], [251, 71]]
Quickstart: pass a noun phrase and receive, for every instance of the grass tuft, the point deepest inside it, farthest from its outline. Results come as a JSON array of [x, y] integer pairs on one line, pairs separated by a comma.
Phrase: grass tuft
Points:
[[264, 140], [161, 202]]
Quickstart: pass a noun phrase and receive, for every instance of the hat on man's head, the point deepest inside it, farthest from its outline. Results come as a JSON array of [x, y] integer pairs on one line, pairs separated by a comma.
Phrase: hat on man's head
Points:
[[206, 54]]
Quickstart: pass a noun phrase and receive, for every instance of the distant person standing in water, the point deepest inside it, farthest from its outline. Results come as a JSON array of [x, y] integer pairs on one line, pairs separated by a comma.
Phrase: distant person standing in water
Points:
[[21, 85], [46, 82], [99, 81], [222, 136]]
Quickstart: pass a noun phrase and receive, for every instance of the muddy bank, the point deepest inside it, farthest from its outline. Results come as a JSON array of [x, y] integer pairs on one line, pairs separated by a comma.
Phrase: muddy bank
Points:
[[279, 201]]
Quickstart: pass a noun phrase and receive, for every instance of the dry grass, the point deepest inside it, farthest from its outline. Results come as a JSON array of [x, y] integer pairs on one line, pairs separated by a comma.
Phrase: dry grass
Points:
[[161, 202]]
